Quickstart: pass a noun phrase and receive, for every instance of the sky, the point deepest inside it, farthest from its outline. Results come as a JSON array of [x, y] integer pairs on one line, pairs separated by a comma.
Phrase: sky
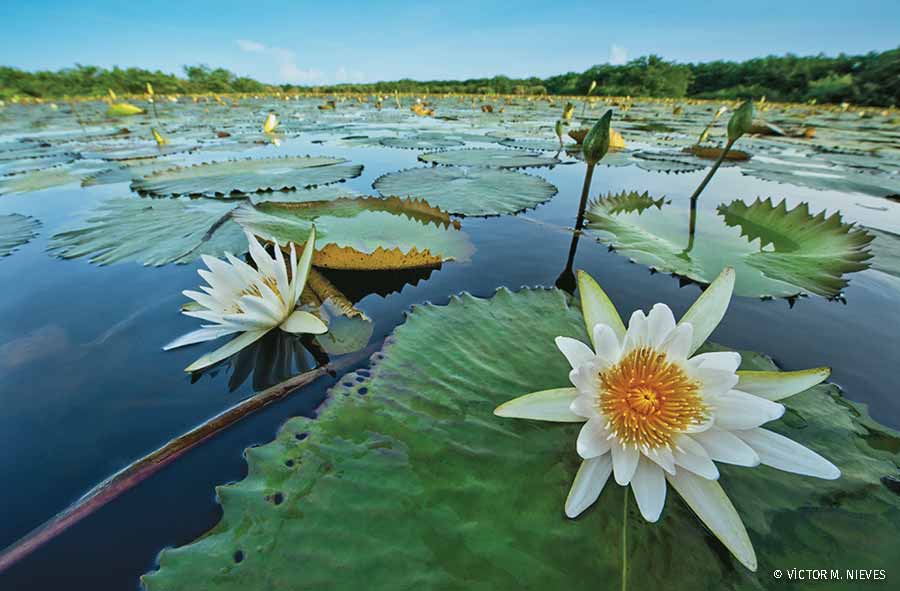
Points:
[[333, 41]]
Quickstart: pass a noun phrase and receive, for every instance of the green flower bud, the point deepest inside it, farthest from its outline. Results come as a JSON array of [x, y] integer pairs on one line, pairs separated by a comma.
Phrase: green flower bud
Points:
[[559, 130], [596, 142], [741, 121]]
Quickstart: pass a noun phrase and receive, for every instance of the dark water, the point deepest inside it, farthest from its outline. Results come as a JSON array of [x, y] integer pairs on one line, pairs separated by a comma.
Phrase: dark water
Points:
[[85, 388]]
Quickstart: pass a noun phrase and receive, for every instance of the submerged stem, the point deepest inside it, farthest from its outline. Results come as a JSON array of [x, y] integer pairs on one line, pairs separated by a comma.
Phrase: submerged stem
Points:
[[141, 469], [712, 171]]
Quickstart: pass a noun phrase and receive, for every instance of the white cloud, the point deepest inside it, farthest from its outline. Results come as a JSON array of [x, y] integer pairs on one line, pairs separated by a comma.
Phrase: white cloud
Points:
[[251, 46], [618, 55], [285, 63]]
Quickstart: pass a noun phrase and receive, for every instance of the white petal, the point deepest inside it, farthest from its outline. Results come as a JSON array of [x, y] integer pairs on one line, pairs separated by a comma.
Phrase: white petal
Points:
[[723, 446], [662, 457], [724, 360], [198, 336], [786, 454], [597, 307], [593, 439], [584, 406], [606, 344], [712, 506], [546, 405], [576, 352], [301, 322], [625, 460], [775, 385], [660, 322], [709, 309], [585, 379], [263, 261], [302, 269], [588, 484], [295, 285], [691, 456], [636, 336], [649, 487], [678, 344], [714, 382], [285, 289], [263, 311], [241, 341], [738, 410]]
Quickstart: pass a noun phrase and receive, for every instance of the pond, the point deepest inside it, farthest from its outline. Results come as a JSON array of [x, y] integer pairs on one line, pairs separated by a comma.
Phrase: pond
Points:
[[86, 387]]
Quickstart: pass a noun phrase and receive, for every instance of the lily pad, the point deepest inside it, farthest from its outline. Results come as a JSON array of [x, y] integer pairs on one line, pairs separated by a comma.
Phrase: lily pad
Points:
[[776, 252], [240, 177], [812, 252], [424, 142], [654, 162], [469, 191], [16, 230], [153, 232], [38, 180], [489, 157], [362, 233], [406, 479]]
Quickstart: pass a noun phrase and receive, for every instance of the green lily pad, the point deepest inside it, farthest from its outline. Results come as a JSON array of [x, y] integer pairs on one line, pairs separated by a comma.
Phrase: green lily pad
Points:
[[152, 232], [819, 174], [469, 191], [776, 252], [423, 142], [241, 177], [406, 479], [489, 157], [38, 180], [11, 167], [363, 232], [534, 144], [16, 230], [812, 252]]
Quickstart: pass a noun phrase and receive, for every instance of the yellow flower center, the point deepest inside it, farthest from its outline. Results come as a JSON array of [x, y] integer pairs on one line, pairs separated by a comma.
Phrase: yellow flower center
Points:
[[648, 400]]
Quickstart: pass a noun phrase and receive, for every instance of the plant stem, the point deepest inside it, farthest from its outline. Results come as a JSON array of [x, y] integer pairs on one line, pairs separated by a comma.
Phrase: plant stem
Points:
[[141, 469], [625, 541], [588, 175], [712, 170]]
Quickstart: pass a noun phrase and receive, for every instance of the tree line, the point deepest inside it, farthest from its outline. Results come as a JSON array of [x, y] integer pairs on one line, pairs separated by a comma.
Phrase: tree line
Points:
[[870, 79]]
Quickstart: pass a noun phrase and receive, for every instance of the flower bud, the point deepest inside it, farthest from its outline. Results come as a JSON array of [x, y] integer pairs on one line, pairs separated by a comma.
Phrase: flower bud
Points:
[[596, 142], [741, 121]]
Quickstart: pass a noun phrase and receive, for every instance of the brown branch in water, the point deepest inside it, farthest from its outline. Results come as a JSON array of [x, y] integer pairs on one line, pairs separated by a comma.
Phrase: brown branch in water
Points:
[[141, 469]]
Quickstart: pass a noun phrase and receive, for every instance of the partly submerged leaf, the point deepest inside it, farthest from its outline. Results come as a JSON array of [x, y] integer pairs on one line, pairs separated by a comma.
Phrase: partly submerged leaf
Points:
[[469, 191], [490, 157], [799, 253], [16, 230], [406, 480], [811, 252], [362, 233], [153, 232], [240, 177]]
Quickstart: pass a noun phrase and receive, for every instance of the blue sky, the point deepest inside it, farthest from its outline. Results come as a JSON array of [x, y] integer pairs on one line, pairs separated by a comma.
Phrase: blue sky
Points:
[[322, 41]]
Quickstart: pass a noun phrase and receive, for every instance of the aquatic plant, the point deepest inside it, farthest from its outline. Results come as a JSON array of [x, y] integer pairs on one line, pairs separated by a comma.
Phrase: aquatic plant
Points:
[[740, 123], [248, 301], [653, 411], [593, 148]]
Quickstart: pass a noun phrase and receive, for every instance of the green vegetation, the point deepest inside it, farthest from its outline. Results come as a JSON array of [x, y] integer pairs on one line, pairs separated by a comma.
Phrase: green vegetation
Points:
[[871, 79]]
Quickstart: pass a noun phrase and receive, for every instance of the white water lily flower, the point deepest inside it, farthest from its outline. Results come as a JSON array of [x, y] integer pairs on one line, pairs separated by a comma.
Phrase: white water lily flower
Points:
[[241, 299], [654, 412]]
